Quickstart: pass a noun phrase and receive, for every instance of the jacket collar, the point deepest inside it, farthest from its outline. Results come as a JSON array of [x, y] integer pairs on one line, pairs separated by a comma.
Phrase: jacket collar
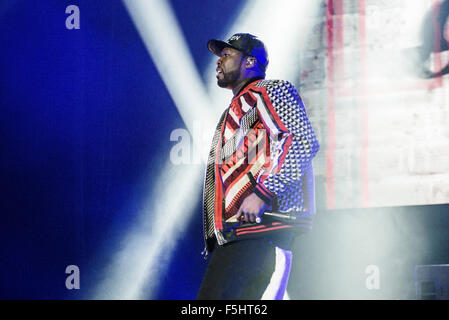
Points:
[[251, 80]]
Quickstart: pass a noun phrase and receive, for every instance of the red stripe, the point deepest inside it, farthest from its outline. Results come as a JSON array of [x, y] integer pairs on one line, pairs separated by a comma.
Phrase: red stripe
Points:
[[236, 175], [272, 111], [256, 150], [437, 35], [339, 38], [263, 230], [231, 125], [237, 108], [262, 93], [264, 191], [230, 122], [252, 96], [286, 146], [234, 206], [219, 184], [240, 171], [278, 122], [245, 166], [251, 228], [252, 137], [330, 152], [257, 227], [249, 99]]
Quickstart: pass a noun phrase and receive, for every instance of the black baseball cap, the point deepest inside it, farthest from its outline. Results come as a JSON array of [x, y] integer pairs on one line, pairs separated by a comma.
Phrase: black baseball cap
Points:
[[247, 43]]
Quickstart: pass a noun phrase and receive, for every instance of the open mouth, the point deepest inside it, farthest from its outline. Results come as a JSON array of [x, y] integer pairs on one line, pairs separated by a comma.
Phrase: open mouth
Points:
[[218, 71]]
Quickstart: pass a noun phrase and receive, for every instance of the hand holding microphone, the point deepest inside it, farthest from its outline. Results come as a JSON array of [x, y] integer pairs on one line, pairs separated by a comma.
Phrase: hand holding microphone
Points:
[[251, 209]]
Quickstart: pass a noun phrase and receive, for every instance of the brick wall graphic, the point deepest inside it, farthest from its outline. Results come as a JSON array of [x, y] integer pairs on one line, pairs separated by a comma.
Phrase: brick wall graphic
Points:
[[373, 78]]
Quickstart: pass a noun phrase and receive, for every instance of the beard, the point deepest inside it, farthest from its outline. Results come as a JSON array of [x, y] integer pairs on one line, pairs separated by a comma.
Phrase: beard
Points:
[[229, 79]]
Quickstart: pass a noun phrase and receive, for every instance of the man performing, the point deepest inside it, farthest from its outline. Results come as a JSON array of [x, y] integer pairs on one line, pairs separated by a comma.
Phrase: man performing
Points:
[[258, 189]]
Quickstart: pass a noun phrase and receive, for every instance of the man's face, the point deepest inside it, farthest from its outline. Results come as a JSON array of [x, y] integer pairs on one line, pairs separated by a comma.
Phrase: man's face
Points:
[[229, 68]]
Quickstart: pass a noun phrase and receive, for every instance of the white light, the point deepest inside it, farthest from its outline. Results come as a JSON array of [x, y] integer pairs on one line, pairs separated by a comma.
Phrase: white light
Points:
[[164, 41], [148, 245]]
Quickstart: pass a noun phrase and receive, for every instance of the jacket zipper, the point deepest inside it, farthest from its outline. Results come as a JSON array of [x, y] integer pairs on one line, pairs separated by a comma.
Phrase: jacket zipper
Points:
[[218, 235]]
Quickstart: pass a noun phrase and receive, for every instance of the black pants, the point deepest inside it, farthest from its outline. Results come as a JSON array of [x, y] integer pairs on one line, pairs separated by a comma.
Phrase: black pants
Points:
[[242, 270]]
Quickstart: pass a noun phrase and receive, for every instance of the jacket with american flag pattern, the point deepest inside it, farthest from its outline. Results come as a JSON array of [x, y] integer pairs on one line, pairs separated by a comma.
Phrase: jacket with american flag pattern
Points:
[[264, 143]]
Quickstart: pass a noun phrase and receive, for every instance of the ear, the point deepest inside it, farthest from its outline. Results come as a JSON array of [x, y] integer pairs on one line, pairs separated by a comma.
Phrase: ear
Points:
[[250, 62]]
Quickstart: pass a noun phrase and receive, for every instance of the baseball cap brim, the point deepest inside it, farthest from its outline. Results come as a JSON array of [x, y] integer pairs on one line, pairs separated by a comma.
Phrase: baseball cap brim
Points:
[[216, 46]]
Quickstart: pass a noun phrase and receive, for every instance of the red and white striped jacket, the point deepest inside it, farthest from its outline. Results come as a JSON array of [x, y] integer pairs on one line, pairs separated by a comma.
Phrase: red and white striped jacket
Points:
[[263, 143]]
